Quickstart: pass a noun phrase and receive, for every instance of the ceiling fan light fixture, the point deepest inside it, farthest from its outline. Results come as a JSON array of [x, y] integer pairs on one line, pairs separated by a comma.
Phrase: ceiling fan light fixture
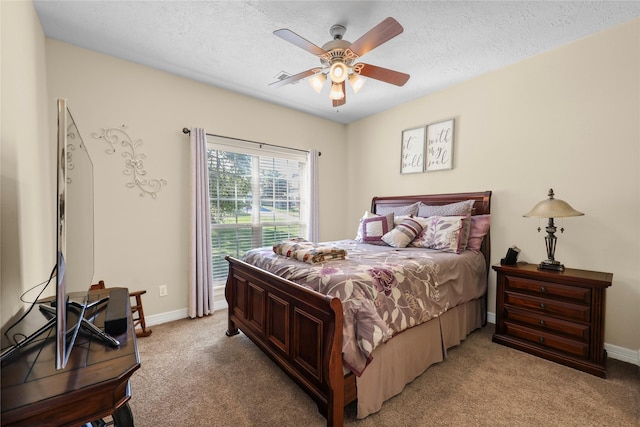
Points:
[[356, 82], [338, 72], [338, 56], [317, 81], [336, 92]]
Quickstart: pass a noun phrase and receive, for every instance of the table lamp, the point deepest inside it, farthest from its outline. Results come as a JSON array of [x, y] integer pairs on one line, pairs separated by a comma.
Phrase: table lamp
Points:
[[551, 208]]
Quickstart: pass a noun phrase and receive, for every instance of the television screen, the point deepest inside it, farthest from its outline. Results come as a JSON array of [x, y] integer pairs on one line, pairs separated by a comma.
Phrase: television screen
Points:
[[77, 243]]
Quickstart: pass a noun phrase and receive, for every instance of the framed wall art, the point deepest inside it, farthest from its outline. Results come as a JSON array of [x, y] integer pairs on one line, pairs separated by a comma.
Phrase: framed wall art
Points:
[[439, 151], [412, 150]]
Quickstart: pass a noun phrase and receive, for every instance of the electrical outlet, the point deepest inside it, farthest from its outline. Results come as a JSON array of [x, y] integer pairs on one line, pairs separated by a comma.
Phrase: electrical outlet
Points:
[[163, 290]]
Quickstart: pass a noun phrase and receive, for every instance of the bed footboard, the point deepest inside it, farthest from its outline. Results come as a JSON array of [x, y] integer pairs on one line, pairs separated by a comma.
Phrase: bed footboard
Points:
[[301, 330]]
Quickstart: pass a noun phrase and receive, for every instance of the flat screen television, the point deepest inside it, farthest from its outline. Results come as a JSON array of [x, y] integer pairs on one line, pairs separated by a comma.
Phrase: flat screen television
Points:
[[75, 238], [74, 252]]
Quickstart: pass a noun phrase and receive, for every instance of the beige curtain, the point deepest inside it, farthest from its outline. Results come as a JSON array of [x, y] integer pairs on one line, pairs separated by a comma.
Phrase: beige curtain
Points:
[[314, 196], [200, 275]]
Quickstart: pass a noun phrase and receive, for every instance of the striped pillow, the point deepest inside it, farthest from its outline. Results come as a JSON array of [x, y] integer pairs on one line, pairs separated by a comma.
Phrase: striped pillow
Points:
[[404, 232]]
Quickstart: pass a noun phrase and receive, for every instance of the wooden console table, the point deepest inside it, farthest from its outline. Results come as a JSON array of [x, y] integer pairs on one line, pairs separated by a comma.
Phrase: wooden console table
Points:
[[93, 385]]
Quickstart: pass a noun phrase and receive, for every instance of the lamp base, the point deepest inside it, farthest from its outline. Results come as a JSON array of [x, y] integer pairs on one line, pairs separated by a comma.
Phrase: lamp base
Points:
[[551, 265]]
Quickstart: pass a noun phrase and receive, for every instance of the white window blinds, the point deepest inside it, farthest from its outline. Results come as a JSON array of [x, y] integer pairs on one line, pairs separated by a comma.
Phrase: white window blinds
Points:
[[258, 196]]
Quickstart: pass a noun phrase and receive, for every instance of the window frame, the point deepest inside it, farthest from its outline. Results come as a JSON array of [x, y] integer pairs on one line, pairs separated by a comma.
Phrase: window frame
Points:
[[257, 225]]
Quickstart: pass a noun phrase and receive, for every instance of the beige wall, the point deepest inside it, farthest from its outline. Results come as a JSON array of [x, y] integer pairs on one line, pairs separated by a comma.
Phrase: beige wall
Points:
[[27, 191], [567, 119], [141, 242]]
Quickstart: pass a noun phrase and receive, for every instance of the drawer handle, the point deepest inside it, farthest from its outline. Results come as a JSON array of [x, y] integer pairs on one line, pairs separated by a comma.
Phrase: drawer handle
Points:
[[542, 323], [542, 306], [543, 289], [541, 339]]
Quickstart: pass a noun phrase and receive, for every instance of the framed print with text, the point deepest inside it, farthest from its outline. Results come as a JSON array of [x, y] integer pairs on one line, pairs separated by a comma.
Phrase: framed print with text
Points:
[[439, 152], [412, 150]]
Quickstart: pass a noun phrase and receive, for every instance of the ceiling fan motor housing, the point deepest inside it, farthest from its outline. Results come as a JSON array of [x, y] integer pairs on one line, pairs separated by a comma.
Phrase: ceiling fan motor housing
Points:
[[335, 52]]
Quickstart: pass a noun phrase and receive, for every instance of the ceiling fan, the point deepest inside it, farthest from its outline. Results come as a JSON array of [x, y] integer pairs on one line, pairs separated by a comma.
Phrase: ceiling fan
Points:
[[339, 60]]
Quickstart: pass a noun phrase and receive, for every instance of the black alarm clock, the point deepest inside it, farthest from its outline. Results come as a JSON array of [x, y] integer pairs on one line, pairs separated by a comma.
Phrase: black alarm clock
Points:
[[512, 256]]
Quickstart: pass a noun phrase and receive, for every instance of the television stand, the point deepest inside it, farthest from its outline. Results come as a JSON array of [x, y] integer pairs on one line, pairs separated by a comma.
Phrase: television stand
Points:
[[93, 385]]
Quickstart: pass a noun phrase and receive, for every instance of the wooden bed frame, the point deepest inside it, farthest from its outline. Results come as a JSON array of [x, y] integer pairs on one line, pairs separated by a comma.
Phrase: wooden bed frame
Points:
[[301, 330]]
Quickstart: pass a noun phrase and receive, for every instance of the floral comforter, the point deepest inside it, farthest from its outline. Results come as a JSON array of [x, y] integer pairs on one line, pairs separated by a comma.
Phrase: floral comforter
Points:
[[383, 290]]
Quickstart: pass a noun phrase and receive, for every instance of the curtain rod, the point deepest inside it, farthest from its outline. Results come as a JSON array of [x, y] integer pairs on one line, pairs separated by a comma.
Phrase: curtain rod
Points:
[[187, 131]]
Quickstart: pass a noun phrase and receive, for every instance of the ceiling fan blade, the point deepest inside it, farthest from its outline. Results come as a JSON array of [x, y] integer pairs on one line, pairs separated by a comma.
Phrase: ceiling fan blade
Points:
[[295, 77], [305, 44], [383, 74], [381, 33], [339, 102]]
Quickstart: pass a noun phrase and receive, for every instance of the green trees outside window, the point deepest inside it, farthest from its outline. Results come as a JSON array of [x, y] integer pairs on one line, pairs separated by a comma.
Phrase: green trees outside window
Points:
[[255, 201]]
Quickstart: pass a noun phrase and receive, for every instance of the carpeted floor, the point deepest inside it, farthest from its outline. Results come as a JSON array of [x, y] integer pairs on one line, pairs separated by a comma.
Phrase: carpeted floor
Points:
[[193, 375]]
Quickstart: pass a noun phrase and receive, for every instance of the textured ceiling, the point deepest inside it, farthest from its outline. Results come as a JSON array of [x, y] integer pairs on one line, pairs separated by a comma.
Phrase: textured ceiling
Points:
[[230, 44]]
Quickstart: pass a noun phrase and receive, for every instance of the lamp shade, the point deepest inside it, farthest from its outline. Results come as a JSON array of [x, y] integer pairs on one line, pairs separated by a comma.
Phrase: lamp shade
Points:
[[317, 81], [552, 208], [356, 82], [336, 92]]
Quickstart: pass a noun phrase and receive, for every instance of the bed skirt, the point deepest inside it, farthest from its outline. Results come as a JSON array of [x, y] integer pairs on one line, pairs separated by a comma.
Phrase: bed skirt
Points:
[[409, 354]]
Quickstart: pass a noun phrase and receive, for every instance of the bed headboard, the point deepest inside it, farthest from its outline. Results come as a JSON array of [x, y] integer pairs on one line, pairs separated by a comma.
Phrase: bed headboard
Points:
[[481, 206]]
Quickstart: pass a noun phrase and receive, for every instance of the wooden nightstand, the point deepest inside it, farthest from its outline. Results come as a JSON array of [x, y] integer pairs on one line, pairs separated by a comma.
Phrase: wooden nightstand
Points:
[[558, 316]]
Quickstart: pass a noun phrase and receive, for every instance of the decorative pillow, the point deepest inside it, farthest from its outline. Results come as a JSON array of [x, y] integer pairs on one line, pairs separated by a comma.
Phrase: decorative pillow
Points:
[[458, 208], [397, 219], [366, 215], [479, 229], [398, 210], [375, 227], [403, 233], [443, 233]]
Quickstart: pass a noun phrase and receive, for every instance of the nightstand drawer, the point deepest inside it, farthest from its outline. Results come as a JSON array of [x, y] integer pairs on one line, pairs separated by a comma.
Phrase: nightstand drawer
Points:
[[552, 290], [550, 324], [544, 339], [562, 309]]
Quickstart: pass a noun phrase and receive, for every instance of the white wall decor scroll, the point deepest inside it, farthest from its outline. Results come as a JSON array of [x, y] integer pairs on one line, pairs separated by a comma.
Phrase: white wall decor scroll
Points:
[[134, 160]]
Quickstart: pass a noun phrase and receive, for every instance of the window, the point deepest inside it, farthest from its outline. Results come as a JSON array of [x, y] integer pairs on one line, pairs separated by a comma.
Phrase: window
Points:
[[258, 196]]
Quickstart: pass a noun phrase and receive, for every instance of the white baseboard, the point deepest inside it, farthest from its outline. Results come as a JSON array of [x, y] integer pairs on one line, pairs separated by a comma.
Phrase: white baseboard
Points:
[[613, 351], [170, 316], [491, 318], [622, 354]]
